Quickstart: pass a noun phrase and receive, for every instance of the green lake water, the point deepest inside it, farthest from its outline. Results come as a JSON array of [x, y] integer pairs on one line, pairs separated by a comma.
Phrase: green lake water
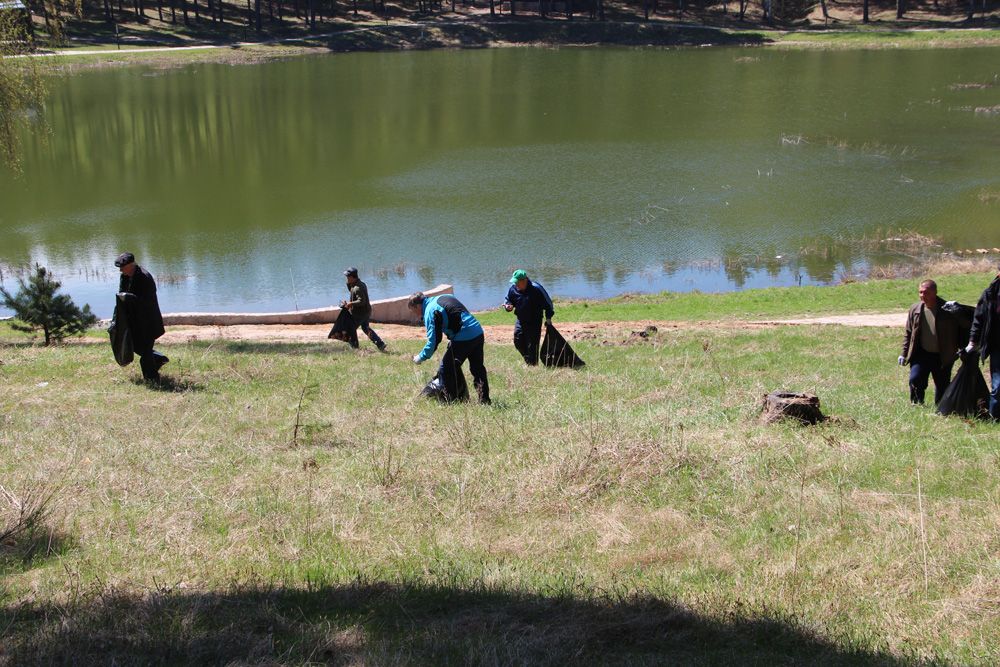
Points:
[[600, 171]]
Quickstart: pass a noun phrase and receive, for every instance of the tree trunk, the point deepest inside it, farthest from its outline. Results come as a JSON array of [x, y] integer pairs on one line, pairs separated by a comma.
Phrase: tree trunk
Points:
[[645, 9], [826, 13], [184, 12], [197, 11], [493, 9], [569, 10], [900, 8], [803, 408], [256, 15], [864, 11], [159, 9]]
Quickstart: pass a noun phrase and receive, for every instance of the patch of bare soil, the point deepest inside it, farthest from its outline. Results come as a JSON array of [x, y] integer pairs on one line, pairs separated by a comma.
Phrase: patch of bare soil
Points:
[[608, 333]]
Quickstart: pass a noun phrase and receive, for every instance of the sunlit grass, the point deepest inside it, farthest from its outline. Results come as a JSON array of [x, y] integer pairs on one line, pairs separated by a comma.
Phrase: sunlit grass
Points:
[[646, 474]]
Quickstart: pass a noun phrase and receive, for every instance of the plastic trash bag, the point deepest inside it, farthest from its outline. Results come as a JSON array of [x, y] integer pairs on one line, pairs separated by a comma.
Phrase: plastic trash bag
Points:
[[967, 395], [345, 328], [963, 317], [436, 388], [121, 336], [556, 352]]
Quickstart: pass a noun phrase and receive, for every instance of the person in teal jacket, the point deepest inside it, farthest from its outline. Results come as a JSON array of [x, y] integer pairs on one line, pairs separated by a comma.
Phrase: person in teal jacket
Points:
[[445, 316]]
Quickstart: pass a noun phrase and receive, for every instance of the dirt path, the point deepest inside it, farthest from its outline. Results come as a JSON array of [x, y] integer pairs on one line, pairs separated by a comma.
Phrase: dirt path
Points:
[[316, 333]]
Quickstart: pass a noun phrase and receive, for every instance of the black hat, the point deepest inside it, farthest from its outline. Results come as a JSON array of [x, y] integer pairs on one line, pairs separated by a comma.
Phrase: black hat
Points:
[[124, 258], [351, 272]]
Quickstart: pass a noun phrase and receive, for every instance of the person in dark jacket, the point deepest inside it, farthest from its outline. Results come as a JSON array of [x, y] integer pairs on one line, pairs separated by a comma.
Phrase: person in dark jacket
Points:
[[445, 315], [530, 302], [137, 296], [360, 306], [930, 343], [985, 336]]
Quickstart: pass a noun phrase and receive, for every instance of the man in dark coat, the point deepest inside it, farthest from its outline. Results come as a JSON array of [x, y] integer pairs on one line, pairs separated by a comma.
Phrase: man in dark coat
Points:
[[137, 297], [930, 343], [985, 336], [360, 306], [530, 302]]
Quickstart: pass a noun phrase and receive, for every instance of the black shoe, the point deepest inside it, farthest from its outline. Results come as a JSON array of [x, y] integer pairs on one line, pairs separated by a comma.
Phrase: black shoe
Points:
[[161, 359]]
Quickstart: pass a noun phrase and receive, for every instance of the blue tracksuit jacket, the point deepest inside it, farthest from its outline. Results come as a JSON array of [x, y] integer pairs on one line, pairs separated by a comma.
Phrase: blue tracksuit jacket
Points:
[[531, 303], [445, 315]]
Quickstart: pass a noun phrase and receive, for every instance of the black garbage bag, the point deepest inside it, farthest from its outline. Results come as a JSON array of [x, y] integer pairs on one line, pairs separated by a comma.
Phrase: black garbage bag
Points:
[[437, 389], [345, 328], [963, 317], [967, 395], [556, 352], [121, 336]]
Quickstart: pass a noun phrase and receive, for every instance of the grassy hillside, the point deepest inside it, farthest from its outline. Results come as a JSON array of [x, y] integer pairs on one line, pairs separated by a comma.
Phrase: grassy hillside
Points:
[[277, 503], [876, 296]]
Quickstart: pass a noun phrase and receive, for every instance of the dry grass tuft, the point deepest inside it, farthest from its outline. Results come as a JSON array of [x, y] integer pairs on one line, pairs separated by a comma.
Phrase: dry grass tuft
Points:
[[24, 521]]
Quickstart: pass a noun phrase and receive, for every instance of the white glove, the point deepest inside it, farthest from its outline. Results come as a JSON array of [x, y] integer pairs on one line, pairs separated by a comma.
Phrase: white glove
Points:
[[970, 348], [901, 360], [417, 359]]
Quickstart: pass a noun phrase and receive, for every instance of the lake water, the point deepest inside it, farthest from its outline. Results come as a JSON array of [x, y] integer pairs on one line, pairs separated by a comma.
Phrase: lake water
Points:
[[600, 171]]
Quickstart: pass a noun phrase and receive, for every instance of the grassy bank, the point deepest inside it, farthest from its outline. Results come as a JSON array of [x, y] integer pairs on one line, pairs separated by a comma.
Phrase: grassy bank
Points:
[[875, 296], [300, 503]]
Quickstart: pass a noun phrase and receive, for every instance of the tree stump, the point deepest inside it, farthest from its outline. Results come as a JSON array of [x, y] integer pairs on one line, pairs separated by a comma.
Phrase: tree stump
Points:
[[804, 408]]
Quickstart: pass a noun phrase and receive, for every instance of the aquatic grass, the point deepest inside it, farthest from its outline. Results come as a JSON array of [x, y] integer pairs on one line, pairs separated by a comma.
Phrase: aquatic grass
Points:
[[643, 486]]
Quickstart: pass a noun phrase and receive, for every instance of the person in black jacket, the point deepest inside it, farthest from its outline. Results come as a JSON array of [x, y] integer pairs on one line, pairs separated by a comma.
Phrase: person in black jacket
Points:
[[137, 297], [530, 302], [985, 336]]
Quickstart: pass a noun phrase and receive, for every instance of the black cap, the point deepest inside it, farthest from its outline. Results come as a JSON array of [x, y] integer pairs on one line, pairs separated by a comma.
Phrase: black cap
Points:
[[351, 272], [124, 258]]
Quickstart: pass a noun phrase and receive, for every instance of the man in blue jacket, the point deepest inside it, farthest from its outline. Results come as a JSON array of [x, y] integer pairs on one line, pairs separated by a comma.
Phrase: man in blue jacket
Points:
[[530, 302], [446, 316]]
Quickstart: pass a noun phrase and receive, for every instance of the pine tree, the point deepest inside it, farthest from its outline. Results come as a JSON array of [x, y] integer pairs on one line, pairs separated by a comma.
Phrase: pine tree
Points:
[[37, 306]]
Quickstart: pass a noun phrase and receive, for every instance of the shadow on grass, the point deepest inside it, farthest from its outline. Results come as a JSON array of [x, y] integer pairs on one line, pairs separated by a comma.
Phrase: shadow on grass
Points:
[[33, 550], [168, 383], [377, 623], [481, 34]]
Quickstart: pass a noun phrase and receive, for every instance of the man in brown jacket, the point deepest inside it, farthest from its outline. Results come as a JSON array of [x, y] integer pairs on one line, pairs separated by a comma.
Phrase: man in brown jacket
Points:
[[930, 343]]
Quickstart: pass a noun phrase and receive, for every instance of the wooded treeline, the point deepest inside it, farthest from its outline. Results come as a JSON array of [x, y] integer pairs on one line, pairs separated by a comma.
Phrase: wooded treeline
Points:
[[268, 16]]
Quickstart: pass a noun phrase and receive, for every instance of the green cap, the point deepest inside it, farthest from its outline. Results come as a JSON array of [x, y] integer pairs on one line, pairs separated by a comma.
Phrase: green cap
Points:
[[520, 274]]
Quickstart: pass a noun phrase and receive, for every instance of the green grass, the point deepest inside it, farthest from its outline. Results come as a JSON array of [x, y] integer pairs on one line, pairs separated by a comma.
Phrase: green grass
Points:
[[632, 512], [875, 37], [876, 296]]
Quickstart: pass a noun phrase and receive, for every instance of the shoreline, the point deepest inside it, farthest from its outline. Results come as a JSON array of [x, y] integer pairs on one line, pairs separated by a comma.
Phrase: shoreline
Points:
[[474, 33]]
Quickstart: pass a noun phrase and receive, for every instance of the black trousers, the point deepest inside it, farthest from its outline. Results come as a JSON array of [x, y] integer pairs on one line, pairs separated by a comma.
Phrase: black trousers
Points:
[[924, 365], [527, 339], [455, 356], [147, 361]]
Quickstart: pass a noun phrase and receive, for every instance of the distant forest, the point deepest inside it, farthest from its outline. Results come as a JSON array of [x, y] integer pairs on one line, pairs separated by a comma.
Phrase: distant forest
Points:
[[183, 21]]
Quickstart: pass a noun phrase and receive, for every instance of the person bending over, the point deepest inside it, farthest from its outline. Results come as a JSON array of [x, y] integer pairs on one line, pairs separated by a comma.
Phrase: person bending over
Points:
[[446, 316]]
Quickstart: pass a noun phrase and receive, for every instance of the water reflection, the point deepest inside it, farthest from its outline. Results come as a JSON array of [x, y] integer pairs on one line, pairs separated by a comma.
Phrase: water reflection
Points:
[[600, 170]]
